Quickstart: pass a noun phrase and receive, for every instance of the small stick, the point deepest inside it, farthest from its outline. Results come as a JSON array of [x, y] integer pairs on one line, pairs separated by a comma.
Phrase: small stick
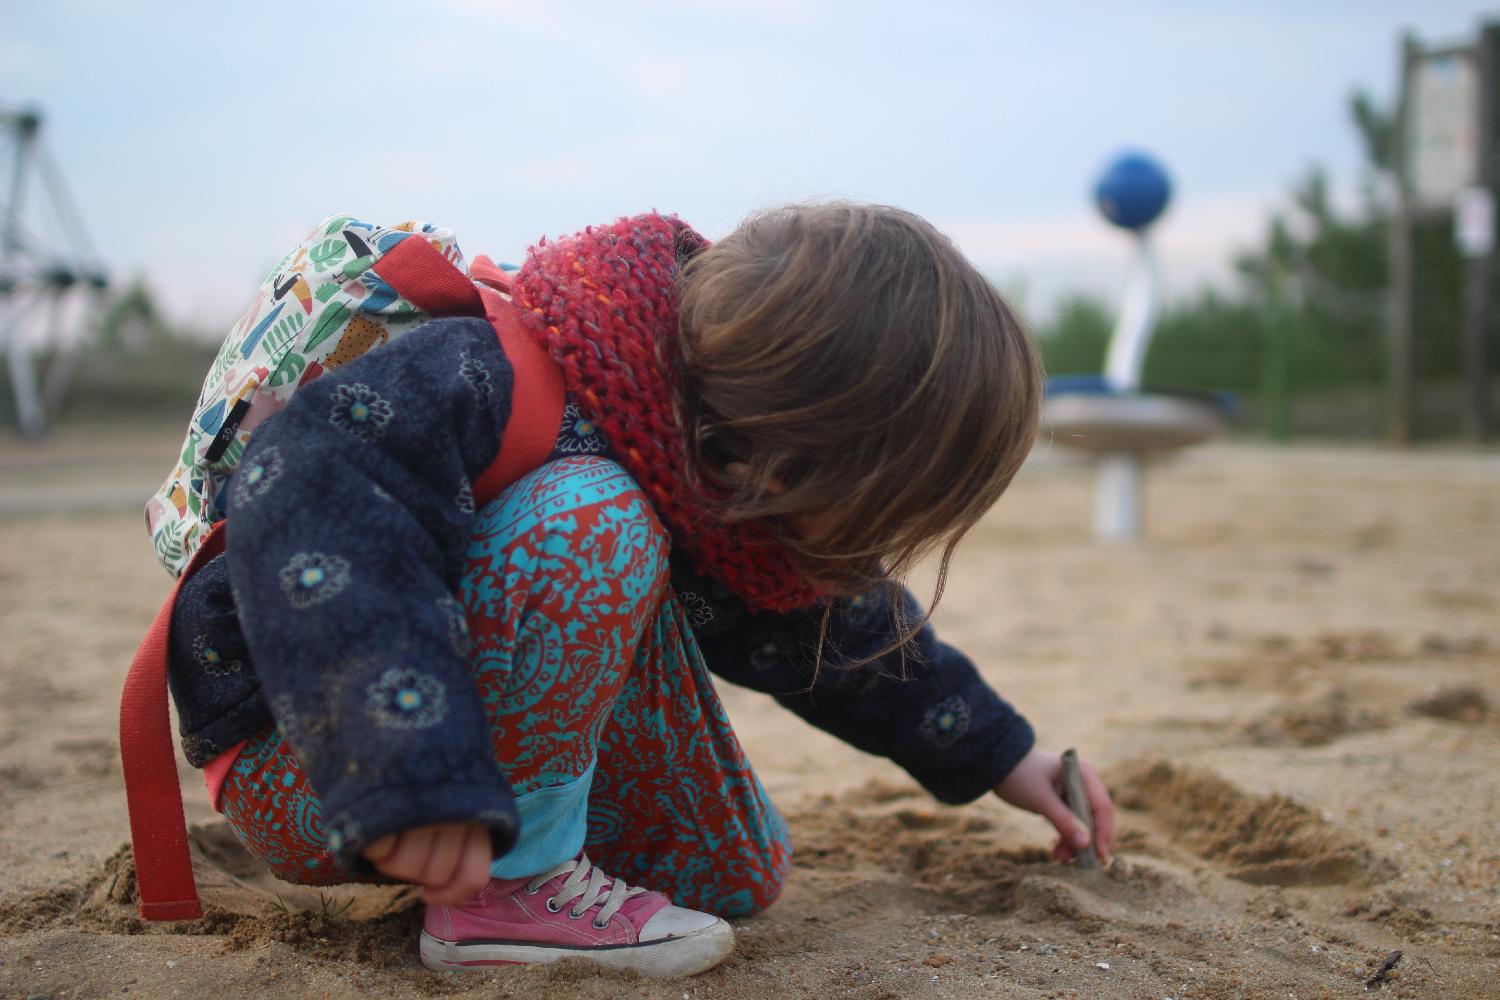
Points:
[[1078, 801], [1378, 979]]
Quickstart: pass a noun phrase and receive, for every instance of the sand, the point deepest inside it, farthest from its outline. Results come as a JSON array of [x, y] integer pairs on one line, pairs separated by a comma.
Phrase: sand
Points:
[[1293, 685]]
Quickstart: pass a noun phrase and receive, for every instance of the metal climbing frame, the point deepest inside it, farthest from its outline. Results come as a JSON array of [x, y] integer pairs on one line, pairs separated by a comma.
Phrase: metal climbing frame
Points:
[[51, 286]]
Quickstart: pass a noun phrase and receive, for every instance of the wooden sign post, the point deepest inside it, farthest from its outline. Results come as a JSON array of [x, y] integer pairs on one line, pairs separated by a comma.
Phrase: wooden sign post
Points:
[[1446, 163]]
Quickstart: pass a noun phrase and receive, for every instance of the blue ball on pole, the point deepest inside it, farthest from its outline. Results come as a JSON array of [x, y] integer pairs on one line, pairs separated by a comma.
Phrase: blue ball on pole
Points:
[[1133, 191]]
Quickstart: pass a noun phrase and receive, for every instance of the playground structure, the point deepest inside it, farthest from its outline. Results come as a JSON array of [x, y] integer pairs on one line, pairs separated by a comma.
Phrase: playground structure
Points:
[[1112, 417], [51, 287]]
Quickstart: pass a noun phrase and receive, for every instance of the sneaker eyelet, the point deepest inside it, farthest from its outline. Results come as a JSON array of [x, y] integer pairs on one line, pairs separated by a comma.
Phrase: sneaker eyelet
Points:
[[574, 914], [530, 891], [553, 906], [598, 926]]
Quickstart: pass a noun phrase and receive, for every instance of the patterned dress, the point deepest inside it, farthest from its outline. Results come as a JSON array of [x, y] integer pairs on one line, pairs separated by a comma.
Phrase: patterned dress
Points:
[[601, 710]]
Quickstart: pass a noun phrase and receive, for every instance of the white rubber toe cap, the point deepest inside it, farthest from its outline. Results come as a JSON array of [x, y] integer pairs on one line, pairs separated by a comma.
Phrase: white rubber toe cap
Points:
[[675, 921]]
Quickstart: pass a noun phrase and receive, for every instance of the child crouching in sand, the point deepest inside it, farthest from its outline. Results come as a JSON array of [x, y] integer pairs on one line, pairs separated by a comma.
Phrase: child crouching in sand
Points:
[[508, 700]]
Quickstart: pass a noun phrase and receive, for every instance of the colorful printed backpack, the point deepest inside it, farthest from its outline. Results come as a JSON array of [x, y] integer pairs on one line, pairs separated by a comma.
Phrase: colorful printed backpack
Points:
[[324, 304], [344, 290]]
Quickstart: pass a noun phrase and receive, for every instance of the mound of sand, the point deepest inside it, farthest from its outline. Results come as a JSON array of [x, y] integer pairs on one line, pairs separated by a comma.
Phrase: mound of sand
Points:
[[1260, 839]]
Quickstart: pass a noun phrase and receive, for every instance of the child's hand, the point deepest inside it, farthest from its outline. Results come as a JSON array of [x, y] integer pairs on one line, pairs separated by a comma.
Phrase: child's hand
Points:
[[1036, 786], [451, 859]]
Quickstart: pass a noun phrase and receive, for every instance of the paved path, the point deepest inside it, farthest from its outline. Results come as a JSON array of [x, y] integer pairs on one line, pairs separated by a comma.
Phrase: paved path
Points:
[[84, 470]]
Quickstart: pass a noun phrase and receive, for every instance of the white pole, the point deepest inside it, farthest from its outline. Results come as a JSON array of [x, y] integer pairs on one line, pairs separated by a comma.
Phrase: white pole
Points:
[[1132, 333], [1119, 497], [1121, 478], [22, 376], [67, 341], [23, 382]]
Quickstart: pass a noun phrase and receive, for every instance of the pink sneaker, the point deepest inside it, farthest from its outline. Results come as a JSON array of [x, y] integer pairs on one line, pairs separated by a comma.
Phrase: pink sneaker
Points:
[[582, 913]]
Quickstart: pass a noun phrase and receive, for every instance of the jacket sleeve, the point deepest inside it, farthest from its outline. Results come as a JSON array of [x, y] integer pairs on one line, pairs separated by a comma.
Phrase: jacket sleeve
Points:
[[925, 707], [349, 518]]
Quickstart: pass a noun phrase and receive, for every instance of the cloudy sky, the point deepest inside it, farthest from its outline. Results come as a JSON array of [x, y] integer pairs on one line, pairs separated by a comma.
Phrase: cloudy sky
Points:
[[199, 139]]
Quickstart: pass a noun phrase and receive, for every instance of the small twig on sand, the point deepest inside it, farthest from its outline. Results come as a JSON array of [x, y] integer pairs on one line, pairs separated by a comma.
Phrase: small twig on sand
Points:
[[1378, 980], [1078, 801]]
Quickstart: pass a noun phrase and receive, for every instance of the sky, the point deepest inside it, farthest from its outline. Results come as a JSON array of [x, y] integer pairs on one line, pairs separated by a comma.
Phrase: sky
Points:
[[200, 140]]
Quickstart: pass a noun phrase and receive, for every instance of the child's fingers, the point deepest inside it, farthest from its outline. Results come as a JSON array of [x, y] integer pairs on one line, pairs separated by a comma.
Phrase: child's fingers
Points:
[[471, 873], [1104, 812], [410, 856], [442, 854], [1075, 836], [474, 868], [380, 849]]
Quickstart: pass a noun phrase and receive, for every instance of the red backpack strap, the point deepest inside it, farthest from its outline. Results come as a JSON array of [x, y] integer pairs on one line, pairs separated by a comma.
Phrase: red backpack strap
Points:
[[158, 832], [420, 273], [487, 272], [536, 400], [431, 282]]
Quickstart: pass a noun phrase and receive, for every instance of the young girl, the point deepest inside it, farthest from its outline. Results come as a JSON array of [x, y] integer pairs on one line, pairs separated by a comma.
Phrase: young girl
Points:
[[511, 706]]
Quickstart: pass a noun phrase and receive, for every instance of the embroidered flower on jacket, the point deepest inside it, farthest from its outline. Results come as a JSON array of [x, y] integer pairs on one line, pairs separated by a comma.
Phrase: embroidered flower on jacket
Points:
[[473, 371], [360, 410], [944, 723], [862, 679], [313, 577], [578, 435], [256, 478], [865, 611], [210, 659], [766, 654], [699, 611], [407, 699], [288, 722], [200, 748], [344, 832], [465, 499], [458, 624]]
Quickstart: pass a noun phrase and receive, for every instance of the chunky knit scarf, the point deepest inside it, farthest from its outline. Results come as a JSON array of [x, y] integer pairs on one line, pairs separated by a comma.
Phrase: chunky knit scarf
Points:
[[603, 303]]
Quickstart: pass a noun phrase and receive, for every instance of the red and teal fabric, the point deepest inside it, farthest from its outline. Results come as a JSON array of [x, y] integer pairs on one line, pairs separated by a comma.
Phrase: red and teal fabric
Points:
[[601, 710]]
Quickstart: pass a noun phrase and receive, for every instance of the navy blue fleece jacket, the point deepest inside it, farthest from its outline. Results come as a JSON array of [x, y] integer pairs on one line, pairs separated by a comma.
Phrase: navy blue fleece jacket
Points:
[[349, 517]]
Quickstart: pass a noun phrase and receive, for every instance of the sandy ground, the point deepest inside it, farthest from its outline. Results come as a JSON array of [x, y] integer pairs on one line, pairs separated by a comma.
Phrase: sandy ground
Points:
[[1293, 684]]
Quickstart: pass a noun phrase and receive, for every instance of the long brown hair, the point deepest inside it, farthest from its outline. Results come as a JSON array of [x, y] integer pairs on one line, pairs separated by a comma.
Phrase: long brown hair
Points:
[[864, 372]]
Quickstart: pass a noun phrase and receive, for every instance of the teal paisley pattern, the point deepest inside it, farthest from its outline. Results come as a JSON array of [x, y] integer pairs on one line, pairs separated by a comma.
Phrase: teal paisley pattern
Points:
[[583, 658]]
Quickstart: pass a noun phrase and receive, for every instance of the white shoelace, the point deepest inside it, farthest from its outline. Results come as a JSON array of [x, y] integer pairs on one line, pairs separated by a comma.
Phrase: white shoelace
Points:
[[587, 885]]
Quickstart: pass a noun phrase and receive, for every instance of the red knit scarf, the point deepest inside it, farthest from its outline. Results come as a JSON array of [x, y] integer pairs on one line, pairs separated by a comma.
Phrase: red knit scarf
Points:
[[603, 303]]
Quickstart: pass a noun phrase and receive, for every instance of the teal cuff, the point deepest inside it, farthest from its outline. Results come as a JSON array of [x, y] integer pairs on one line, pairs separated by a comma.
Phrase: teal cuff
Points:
[[554, 821]]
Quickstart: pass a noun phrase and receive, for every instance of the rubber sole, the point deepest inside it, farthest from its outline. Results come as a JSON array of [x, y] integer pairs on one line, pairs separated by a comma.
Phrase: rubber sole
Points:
[[677, 956]]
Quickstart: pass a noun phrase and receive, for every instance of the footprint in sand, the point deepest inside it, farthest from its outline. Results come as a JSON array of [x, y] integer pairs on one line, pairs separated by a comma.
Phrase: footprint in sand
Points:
[[1314, 722], [1455, 704]]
